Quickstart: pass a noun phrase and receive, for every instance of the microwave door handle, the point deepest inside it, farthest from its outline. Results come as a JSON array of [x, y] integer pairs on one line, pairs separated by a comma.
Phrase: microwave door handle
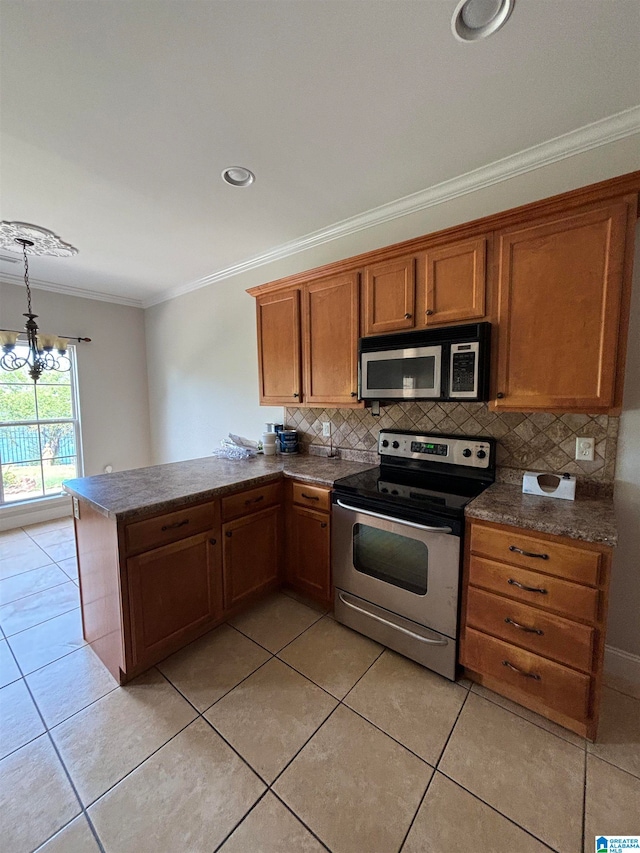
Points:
[[395, 520], [393, 625]]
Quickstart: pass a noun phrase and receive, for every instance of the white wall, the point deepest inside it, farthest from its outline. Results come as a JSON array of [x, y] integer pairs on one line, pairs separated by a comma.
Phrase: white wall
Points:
[[112, 372], [624, 609]]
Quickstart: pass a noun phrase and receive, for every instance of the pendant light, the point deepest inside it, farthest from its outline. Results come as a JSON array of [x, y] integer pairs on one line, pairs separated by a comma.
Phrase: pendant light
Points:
[[45, 352]]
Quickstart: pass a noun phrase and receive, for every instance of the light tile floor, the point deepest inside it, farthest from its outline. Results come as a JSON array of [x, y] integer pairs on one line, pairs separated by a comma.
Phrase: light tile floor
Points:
[[282, 732]]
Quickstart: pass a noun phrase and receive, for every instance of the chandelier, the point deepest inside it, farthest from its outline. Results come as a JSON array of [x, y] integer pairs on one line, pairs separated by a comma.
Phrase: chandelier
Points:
[[44, 352]]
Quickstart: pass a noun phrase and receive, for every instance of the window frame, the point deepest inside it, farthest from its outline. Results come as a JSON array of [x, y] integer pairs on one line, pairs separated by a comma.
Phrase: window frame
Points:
[[74, 420]]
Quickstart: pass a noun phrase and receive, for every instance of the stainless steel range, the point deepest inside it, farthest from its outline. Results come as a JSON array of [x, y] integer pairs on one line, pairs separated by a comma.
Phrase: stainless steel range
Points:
[[397, 542]]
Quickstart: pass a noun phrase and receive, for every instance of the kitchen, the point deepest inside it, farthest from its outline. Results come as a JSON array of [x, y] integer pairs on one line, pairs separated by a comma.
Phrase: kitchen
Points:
[[220, 393]]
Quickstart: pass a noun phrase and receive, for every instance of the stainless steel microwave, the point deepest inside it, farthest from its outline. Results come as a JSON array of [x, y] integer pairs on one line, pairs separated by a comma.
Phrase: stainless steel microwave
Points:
[[449, 363]]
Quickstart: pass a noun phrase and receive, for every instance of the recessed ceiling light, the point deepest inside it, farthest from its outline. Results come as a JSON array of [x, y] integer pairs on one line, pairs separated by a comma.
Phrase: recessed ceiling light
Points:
[[238, 176], [477, 19]]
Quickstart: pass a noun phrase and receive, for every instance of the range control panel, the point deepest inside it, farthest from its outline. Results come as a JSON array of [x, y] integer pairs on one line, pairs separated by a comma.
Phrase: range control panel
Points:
[[459, 450]]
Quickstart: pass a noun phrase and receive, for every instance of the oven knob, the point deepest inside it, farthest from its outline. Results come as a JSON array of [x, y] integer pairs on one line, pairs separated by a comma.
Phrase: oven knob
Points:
[[395, 445], [394, 491], [385, 443], [481, 454], [466, 453], [384, 489]]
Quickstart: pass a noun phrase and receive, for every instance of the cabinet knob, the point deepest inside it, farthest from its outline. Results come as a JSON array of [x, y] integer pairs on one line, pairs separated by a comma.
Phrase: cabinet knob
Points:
[[429, 312], [500, 395], [228, 533], [213, 541], [407, 316], [296, 395], [354, 393], [323, 524]]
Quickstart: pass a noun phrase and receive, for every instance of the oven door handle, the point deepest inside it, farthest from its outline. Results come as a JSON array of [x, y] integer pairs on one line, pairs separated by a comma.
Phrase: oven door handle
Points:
[[412, 634], [395, 520]]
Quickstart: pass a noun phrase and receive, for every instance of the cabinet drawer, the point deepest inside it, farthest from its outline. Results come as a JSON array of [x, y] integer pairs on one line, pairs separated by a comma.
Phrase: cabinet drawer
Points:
[[315, 497], [552, 636], [540, 555], [559, 596], [170, 527], [250, 501], [558, 687]]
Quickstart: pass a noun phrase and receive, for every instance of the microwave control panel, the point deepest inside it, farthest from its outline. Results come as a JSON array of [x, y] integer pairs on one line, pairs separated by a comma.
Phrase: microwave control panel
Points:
[[463, 374]]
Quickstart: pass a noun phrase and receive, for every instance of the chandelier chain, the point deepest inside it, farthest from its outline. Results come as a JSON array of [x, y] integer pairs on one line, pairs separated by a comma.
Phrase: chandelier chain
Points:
[[26, 275]]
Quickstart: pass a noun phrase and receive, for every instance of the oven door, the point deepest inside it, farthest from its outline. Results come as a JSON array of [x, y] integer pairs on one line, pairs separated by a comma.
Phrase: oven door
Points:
[[407, 568], [401, 374]]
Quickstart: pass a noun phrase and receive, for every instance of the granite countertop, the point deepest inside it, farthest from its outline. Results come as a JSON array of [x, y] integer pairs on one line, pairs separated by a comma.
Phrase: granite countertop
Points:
[[143, 491], [589, 519]]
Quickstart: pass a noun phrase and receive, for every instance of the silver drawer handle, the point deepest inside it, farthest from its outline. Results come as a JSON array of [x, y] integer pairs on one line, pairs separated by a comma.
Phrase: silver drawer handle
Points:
[[402, 630], [528, 553], [524, 627], [533, 675], [527, 588], [394, 520]]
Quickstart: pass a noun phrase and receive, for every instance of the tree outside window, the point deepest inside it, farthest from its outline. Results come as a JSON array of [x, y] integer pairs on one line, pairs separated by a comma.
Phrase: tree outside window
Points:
[[39, 435]]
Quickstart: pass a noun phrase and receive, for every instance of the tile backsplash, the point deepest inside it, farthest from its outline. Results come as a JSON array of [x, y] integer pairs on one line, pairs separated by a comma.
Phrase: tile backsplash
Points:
[[525, 442]]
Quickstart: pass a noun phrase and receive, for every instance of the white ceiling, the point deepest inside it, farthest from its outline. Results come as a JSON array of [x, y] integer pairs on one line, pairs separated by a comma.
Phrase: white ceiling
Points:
[[118, 117]]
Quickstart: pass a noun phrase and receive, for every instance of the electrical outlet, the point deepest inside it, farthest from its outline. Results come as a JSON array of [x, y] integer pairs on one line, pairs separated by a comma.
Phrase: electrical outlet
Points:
[[585, 449], [326, 428]]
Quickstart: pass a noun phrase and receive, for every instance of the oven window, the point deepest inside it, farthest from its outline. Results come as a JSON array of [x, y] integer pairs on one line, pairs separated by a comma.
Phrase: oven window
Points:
[[401, 374], [392, 558]]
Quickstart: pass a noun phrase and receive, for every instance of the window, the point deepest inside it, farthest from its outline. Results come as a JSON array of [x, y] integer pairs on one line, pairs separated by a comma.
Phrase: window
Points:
[[39, 432]]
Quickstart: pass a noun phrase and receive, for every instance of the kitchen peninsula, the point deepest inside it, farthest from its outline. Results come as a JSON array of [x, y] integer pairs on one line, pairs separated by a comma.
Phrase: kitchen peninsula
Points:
[[168, 552]]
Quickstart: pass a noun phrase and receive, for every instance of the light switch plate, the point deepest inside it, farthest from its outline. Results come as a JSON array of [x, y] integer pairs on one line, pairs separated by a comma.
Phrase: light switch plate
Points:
[[326, 428], [76, 508], [585, 449]]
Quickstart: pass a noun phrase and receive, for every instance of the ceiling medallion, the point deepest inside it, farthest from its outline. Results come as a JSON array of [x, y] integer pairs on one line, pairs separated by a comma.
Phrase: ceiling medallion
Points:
[[39, 241]]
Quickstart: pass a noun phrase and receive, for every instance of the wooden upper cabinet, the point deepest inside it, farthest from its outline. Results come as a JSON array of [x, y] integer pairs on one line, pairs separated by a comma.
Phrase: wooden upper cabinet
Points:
[[560, 283], [389, 296], [455, 282], [330, 334], [279, 351]]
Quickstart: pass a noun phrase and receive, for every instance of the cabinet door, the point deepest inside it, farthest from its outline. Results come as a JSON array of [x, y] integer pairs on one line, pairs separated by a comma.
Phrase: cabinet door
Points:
[[251, 555], [389, 296], [173, 591], [309, 560], [559, 292], [455, 277], [278, 316], [331, 341]]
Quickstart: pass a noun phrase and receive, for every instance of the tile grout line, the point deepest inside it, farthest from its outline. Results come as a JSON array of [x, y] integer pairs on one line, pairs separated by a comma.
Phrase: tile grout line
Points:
[[456, 782], [498, 812], [22, 630], [48, 734], [413, 819]]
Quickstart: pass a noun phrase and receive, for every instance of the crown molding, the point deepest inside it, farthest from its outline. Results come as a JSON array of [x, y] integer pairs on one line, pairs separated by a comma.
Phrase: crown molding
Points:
[[82, 293], [602, 132]]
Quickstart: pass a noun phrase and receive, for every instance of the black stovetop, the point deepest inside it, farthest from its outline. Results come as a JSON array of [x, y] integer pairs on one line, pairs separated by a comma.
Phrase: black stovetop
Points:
[[399, 492]]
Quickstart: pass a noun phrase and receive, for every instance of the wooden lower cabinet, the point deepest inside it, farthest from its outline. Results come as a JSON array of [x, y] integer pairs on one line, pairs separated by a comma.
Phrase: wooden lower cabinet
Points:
[[308, 563], [536, 636], [251, 555], [150, 586], [173, 591]]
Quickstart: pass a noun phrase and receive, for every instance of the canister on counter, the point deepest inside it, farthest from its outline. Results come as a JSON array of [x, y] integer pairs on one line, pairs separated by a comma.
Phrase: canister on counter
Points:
[[288, 441]]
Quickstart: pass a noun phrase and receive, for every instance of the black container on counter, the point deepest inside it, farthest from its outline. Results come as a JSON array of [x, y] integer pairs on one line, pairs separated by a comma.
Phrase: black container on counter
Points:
[[288, 439]]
